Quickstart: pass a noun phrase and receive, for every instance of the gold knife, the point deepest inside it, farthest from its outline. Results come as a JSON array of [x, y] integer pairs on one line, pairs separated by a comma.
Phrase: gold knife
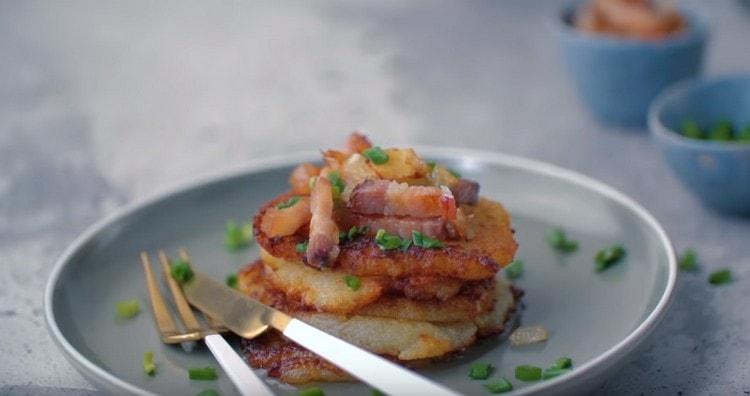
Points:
[[249, 318]]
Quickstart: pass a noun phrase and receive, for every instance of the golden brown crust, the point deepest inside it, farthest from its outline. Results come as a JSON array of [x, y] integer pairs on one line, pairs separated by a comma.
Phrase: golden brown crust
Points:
[[489, 246]]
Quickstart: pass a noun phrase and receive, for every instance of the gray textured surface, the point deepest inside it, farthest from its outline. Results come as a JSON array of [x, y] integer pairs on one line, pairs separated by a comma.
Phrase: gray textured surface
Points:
[[102, 103]]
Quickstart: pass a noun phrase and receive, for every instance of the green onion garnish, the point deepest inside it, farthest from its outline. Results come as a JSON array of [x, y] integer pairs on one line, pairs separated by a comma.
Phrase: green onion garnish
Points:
[[128, 308], [559, 241], [720, 277], [337, 184], [744, 135], [514, 270], [563, 363], [301, 247], [608, 257], [288, 203], [554, 372], [353, 282], [528, 373], [181, 271], [314, 391], [376, 155], [376, 392], [691, 129], [424, 241], [388, 241], [148, 363], [430, 165], [208, 392], [202, 374], [689, 260], [231, 281], [480, 371], [236, 237], [722, 131], [500, 386], [454, 173], [352, 233]]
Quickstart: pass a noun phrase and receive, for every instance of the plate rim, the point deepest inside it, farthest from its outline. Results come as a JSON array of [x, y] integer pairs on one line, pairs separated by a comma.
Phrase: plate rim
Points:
[[633, 339]]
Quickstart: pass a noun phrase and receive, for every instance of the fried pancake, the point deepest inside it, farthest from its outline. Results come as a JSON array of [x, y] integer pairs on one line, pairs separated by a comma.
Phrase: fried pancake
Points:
[[314, 293], [490, 245]]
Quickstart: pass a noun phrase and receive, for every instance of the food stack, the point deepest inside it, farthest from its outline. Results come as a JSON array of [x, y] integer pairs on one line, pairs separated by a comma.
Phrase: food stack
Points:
[[379, 247]]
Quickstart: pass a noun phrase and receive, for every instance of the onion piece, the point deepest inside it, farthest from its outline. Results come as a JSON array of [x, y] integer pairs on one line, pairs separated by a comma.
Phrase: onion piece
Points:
[[528, 335]]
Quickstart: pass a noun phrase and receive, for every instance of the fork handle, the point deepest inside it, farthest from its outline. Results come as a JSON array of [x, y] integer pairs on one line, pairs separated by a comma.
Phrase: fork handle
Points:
[[243, 378]]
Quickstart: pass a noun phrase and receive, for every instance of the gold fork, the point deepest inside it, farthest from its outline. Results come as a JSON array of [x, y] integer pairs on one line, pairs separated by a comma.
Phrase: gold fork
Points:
[[238, 371]]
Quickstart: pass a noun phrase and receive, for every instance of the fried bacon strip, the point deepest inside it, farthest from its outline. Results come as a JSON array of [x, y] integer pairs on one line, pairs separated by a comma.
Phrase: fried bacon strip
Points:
[[282, 222], [323, 246], [299, 179], [433, 227], [357, 143], [466, 191], [389, 198]]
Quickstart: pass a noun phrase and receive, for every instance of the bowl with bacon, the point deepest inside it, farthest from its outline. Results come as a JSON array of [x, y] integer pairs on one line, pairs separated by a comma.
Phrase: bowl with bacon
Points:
[[386, 250]]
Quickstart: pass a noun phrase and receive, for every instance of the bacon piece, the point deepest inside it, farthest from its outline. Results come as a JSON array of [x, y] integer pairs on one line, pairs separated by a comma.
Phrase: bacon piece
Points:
[[282, 222], [300, 178], [357, 143], [389, 198], [434, 227], [466, 191], [323, 246]]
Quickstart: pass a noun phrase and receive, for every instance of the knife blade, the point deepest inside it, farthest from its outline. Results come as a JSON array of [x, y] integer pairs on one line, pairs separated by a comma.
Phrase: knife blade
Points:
[[249, 318]]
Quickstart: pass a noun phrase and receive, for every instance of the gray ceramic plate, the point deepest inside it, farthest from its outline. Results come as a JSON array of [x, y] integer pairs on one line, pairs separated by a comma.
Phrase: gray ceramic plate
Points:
[[595, 318]]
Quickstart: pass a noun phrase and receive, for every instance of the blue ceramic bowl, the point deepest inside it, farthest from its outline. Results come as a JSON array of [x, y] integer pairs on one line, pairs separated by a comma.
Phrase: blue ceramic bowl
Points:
[[717, 172], [618, 78]]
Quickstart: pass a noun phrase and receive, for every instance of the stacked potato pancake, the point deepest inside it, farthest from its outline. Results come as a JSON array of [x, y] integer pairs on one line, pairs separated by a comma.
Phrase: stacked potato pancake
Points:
[[382, 249]]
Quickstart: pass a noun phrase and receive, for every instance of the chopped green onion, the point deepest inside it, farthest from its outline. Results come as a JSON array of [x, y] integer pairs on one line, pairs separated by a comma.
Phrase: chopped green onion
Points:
[[430, 165], [128, 308], [554, 372], [454, 173], [744, 135], [352, 233], [231, 281], [337, 184], [202, 374], [148, 363], [376, 392], [301, 247], [563, 363], [236, 237], [720, 277], [376, 155], [608, 257], [314, 391], [514, 270], [424, 241], [388, 241], [722, 131], [528, 373], [208, 392], [691, 129], [353, 282], [689, 260], [500, 386], [480, 371], [288, 203], [559, 241], [181, 271]]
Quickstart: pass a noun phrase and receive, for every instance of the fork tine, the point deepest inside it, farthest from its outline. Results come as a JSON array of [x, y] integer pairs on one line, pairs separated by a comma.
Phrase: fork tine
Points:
[[164, 321], [186, 313]]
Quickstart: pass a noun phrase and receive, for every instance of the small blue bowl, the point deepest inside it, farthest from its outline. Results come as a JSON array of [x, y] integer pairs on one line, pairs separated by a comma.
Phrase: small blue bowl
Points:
[[717, 172], [618, 78]]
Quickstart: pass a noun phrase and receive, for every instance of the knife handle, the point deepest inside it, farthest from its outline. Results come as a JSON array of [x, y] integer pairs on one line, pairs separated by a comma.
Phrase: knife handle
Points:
[[244, 379], [382, 374]]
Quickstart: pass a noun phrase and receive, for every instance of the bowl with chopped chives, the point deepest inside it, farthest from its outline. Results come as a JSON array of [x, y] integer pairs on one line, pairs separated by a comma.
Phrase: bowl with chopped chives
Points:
[[703, 128]]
